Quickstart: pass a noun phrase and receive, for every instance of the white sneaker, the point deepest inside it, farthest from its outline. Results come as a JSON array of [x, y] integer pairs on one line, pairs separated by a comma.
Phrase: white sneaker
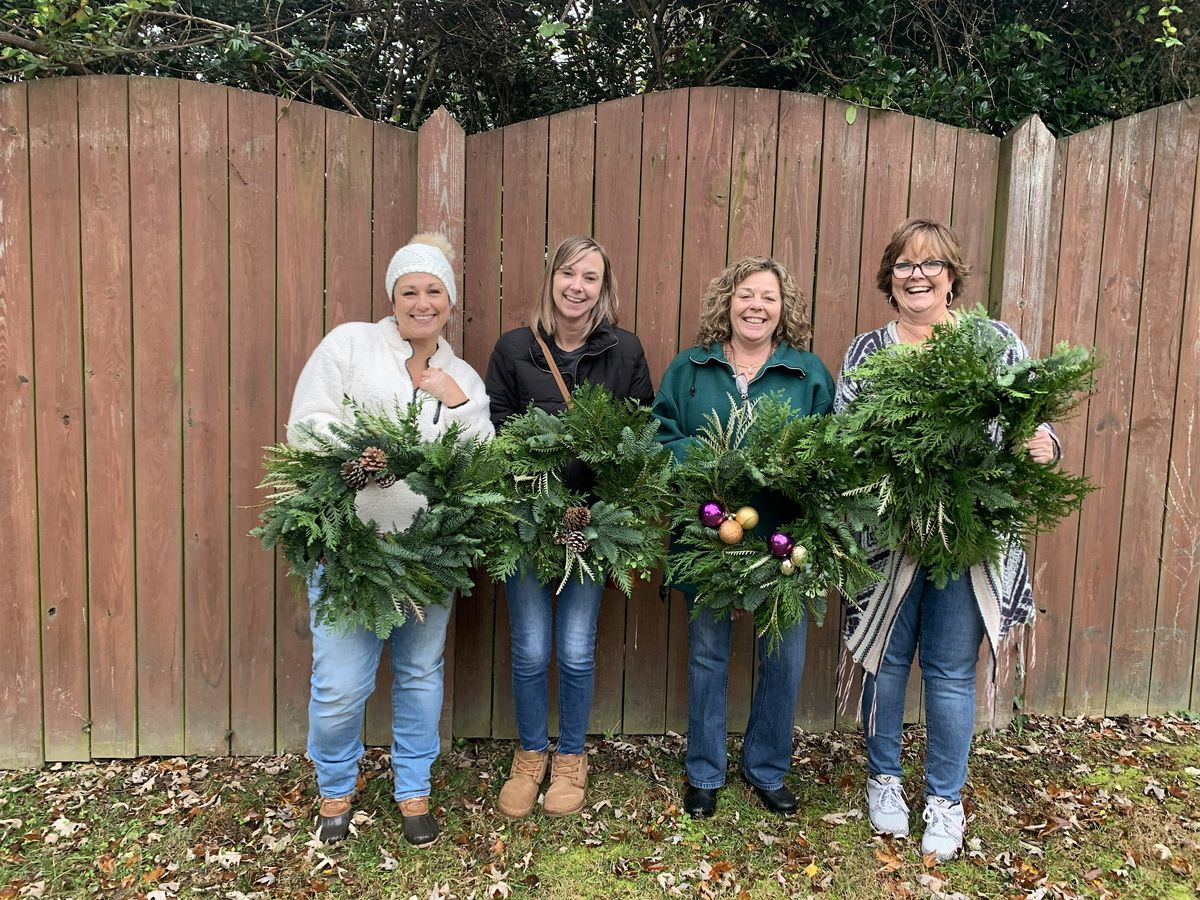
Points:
[[944, 824], [886, 806]]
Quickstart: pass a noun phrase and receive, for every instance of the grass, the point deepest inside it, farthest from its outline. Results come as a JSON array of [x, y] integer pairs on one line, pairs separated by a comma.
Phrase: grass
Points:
[[1060, 808]]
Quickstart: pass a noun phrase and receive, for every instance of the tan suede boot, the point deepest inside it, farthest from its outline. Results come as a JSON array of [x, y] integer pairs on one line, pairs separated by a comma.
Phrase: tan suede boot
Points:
[[568, 783], [520, 792]]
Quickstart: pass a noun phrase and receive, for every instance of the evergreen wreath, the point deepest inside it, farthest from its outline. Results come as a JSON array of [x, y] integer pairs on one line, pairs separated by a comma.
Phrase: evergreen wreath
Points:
[[370, 579], [767, 446], [615, 530], [941, 428]]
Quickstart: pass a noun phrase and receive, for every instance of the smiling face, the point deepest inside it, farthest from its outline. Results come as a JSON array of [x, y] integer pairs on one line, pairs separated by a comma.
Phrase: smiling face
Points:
[[921, 297], [575, 288], [755, 308], [421, 306]]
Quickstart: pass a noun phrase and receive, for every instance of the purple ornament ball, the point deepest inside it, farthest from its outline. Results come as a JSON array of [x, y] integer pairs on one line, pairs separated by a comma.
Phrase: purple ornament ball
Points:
[[711, 514], [780, 544]]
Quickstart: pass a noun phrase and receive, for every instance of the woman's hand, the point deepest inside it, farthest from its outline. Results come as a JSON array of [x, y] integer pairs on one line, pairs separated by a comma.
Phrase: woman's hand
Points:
[[1041, 446], [437, 383]]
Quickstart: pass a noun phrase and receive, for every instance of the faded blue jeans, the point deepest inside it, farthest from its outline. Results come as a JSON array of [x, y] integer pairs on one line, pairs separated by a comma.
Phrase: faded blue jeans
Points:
[[343, 677], [949, 629], [531, 624], [767, 750]]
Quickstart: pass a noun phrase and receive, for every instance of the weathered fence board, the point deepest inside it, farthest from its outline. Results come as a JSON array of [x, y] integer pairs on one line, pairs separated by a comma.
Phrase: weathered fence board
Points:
[[108, 366], [58, 370], [20, 661], [1100, 533], [154, 212], [1085, 183], [174, 251], [204, 193], [252, 391]]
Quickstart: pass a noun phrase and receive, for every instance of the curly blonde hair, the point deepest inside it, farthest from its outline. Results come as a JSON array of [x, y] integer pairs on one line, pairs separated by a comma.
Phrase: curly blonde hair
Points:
[[715, 327]]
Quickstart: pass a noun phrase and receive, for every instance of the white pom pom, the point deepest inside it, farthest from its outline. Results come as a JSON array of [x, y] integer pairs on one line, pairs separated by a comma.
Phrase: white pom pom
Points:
[[435, 239]]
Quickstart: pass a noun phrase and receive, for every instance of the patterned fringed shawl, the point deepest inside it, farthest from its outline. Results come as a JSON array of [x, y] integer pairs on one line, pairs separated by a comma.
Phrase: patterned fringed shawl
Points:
[[1003, 592]]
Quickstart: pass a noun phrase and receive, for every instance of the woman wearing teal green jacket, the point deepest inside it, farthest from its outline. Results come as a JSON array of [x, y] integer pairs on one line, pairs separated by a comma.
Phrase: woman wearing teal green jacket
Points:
[[752, 324]]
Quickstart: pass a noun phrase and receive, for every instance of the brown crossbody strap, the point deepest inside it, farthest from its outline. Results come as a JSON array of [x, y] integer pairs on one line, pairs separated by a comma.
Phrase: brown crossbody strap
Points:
[[558, 379]]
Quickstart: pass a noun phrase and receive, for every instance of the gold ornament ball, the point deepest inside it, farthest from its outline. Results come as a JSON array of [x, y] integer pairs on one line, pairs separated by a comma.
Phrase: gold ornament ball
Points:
[[787, 567], [747, 517], [730, 531], [799, 555]]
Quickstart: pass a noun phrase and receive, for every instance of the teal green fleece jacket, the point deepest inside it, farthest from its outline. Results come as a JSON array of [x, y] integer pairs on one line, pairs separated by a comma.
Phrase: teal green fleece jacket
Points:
[[700, 380]]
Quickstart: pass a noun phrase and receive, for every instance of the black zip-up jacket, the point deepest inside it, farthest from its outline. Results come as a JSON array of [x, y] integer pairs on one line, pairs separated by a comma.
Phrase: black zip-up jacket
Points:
[[517, 373]]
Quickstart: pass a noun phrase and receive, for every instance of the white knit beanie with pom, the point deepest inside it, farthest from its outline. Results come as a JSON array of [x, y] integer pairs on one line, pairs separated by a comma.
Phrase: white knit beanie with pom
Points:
[[429, 253]]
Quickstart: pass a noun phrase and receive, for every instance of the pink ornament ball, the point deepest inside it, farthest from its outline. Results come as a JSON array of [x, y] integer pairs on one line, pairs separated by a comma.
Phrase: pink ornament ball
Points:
[[711, 514], [780, 544]]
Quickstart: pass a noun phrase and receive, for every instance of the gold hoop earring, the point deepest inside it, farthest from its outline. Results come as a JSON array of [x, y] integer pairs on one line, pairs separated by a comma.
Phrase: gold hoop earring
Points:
[[892, 302], [949, 298]]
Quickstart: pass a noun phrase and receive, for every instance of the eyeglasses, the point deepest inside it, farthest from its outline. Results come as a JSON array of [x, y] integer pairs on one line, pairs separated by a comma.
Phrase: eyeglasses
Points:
[[930, 268]]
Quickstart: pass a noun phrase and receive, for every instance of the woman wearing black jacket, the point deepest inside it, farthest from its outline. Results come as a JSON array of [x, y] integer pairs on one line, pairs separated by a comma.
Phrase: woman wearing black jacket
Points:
[[575, 318]]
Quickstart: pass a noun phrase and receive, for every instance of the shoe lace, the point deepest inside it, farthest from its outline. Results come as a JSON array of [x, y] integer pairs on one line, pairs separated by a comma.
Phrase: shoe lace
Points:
[[890, 798], [939, 821], [527, 765], [567, 767]]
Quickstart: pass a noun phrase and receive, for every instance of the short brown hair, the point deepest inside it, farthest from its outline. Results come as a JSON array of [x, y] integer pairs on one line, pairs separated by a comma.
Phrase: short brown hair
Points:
[[714, 306], [606, 304], [941, 238]]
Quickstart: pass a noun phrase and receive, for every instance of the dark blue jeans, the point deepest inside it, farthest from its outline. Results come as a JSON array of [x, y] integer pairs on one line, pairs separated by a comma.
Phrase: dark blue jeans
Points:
[[949, 629], [531, 623], [767, 751]]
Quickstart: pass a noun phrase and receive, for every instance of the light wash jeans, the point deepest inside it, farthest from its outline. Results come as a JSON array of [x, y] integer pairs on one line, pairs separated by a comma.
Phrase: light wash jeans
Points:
[[767, 750], [949, 629], [531, 624], [343, 677]]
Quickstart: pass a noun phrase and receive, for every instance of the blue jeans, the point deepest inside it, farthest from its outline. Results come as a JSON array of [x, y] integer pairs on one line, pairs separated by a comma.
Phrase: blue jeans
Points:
[[343, 677], [531, 623], [947, 625], [767, 750]]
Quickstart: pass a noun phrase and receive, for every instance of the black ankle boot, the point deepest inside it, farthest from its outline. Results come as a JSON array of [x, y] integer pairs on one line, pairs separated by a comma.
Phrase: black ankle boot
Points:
[[700, 803]]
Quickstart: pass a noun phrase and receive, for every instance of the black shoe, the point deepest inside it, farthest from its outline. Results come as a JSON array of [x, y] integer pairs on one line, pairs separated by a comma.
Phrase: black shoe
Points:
[[780, 800], [700, 803], [420, 827], [333, 821]]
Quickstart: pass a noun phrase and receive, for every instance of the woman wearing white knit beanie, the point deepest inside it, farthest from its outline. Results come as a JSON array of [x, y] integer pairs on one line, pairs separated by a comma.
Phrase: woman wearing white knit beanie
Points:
[[398, 360]]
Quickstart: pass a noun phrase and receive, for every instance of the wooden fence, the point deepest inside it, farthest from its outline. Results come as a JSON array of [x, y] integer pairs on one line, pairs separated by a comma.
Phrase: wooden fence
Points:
[[170, 252]]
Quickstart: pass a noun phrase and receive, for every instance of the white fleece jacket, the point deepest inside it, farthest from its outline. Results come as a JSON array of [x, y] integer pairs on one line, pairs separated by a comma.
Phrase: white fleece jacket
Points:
[[366, 362]]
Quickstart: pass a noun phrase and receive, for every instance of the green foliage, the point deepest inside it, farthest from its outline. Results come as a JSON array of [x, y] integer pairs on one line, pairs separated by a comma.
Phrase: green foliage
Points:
[[369, 579], [942, 427], [761, 447], [980, 65], [627, 503]]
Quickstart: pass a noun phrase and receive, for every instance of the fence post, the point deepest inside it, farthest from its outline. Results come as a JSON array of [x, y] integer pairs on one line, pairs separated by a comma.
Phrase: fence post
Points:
[[441, 192], [1024, 187], [1023, 191], [441, 195]]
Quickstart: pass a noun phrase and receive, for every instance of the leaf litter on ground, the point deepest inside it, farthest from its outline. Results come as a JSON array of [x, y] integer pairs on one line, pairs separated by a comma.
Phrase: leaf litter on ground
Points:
[[1058, 808]]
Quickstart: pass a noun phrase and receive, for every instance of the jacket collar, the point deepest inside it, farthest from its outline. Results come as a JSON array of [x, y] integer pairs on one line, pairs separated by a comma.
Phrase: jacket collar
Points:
[[785, 356], [601, 339], [402, 348]]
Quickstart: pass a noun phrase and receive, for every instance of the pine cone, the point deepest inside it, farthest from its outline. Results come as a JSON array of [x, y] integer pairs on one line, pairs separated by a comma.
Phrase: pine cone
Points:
[[576, 518], [560, 537], [373, 460], [385, 479], [354, 475], [577, 542]]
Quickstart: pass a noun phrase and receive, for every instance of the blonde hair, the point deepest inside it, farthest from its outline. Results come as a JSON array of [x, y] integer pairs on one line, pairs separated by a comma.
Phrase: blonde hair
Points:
[[939, 238], [714, 306], [568, 250]]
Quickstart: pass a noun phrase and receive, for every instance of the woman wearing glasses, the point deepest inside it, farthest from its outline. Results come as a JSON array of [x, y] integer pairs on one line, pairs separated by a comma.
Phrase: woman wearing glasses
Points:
[[753, 322], [922, 273]]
